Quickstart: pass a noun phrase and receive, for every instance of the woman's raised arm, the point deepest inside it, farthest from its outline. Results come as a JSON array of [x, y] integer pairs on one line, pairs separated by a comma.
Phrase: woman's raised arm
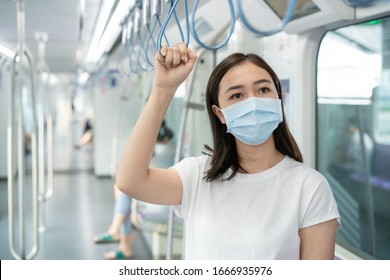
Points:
[[134, 177]]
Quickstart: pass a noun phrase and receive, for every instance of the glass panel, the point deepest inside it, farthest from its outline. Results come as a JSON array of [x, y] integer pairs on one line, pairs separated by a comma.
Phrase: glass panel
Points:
[[353, 149]]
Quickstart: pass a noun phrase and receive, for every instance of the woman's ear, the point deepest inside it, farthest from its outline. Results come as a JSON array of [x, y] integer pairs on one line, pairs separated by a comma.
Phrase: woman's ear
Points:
[[218, 113]]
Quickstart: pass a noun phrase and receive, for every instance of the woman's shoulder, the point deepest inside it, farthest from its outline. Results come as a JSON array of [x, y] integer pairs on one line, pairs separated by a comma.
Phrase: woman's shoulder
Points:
[[201, 160], [305, 172], [191, 170], [196, 162]]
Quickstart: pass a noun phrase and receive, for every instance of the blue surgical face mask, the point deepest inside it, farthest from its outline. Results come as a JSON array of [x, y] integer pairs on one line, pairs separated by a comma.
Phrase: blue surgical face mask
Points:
[[253, 120]]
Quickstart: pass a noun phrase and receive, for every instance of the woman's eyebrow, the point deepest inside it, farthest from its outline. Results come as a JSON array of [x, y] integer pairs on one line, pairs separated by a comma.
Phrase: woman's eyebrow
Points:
[[234, 88], [262, 81], [255, 83]]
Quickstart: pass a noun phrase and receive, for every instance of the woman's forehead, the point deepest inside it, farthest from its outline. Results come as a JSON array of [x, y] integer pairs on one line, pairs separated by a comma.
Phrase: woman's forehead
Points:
[[244, 74]]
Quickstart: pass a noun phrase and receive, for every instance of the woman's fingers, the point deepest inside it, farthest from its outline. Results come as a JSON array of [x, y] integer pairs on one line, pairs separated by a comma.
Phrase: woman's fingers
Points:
[[160, 56], [172, 59], [174, 56], [183, 51], [168, 57], [191, 55], [173, 65]]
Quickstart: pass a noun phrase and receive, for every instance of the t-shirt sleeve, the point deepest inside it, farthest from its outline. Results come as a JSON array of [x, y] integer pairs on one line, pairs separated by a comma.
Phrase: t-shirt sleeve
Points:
[[319, 204], [188, 170]]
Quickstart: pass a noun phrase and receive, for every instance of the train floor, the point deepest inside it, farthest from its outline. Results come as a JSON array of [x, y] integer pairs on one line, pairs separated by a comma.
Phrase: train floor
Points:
[[81, 207]]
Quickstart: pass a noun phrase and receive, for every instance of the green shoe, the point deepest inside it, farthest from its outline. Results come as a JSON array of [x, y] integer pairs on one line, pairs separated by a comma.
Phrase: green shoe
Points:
[[105, 238], [117, 255]]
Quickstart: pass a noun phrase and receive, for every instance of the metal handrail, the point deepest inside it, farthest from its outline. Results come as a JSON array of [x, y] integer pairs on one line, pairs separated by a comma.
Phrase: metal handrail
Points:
[[43, 73], [179, 147], [115, 136], [367, 187], [2, 62], [20, 56]]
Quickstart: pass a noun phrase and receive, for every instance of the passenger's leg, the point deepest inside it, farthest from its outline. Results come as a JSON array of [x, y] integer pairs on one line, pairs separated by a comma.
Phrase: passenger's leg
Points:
[[119, 218], [123, 208]]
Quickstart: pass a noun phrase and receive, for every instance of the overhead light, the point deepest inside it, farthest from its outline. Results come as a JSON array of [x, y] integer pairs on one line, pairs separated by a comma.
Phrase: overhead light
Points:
[[80, 18], [7, 52], [99, 29], [82, 8], [108, 29]]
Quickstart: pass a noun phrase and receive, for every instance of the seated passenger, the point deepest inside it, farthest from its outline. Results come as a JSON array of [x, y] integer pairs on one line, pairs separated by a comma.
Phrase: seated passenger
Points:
[[87, 135], [354, 158], [121, 228], [164, 134]]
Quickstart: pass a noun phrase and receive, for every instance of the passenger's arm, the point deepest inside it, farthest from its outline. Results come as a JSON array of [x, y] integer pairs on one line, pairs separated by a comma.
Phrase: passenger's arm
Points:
[[134, 176], [318, 241]]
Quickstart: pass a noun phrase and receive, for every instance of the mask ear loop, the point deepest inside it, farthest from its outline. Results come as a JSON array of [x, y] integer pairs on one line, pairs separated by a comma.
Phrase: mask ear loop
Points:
[[220, 116]]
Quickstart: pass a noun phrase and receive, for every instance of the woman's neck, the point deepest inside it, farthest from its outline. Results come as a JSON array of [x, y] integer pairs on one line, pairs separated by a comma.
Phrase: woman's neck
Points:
[[258, 158]]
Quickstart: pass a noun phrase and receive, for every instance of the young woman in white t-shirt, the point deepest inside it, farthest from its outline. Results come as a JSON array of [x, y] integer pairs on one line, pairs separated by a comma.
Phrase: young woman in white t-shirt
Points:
[[251, 197]]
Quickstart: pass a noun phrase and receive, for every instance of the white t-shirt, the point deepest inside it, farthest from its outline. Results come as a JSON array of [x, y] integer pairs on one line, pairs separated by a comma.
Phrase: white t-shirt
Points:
[[252, 216]]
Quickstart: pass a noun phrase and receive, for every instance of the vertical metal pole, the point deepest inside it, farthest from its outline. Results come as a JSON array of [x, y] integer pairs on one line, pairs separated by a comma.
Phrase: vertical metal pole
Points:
[[20, 131], [10, 163], [17, 103], [214, 58], [179, 147], [41, 164], [367, 187], [34, 151], [45, 111], [115, 136], [50, 164]]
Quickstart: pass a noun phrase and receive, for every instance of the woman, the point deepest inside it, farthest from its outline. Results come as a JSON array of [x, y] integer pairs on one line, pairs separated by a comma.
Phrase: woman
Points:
[[251, 198]]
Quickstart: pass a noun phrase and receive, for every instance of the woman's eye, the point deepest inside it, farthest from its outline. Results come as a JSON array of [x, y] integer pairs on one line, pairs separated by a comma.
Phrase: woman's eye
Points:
[[235, 96], [263, 90]]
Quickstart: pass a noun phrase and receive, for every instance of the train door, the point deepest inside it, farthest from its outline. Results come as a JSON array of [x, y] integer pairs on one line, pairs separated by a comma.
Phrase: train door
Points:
[[353, 132]]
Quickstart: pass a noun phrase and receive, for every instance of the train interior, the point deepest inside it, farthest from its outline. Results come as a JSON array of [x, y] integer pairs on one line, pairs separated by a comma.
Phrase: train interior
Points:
[[333, 60]]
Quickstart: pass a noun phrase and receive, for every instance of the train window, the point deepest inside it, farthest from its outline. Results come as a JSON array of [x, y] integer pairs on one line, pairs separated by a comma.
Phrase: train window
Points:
[[353, 132]]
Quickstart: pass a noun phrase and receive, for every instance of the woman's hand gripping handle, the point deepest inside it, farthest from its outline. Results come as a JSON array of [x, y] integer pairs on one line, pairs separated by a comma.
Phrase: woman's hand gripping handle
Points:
[[172, 66]]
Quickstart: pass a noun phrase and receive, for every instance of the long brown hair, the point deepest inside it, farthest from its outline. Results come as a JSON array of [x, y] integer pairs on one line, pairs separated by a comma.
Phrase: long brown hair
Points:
[[224, 154]]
